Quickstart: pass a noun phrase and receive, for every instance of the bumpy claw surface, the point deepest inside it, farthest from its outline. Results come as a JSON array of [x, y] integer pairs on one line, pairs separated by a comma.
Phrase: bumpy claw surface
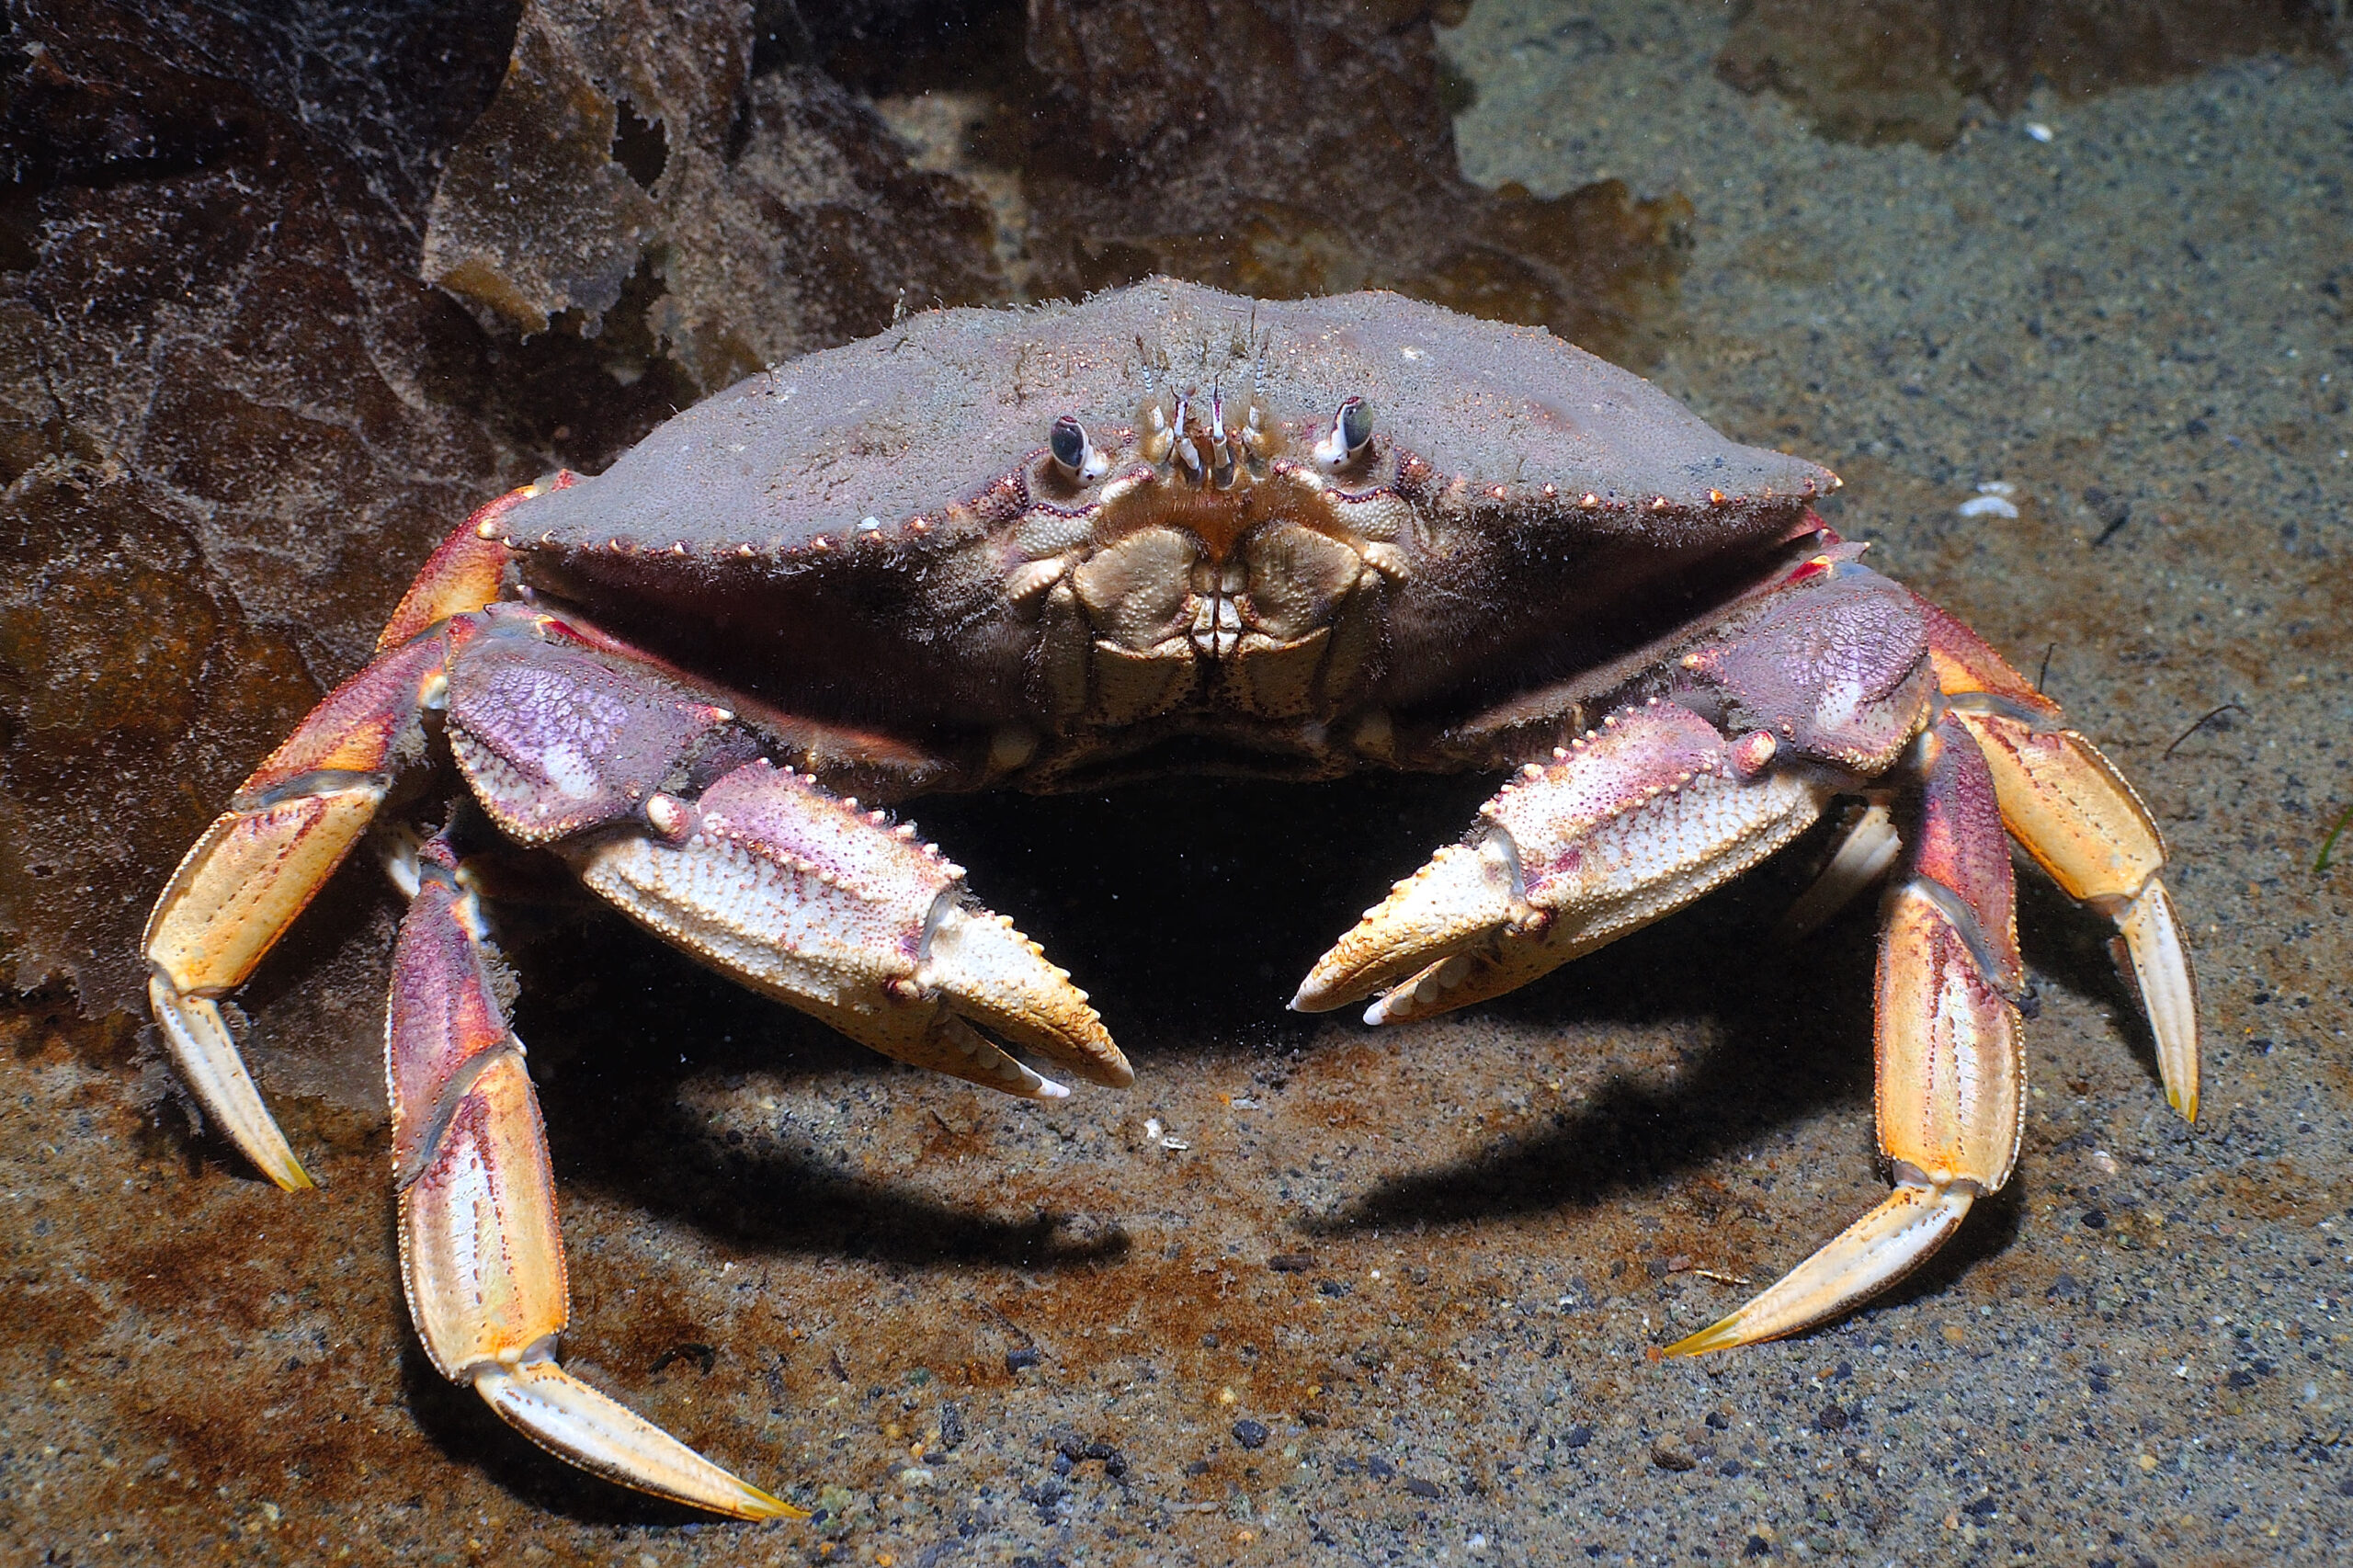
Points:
[[1631, 823], [831, 910]]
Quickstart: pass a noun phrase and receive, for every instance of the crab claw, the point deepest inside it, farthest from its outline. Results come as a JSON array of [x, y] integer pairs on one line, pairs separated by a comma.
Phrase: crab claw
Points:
[[1631, 823], [832, 910]]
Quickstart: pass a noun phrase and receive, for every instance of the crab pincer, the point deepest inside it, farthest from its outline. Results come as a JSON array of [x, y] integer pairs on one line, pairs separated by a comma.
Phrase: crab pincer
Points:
[[1625, 824], [772, 881]]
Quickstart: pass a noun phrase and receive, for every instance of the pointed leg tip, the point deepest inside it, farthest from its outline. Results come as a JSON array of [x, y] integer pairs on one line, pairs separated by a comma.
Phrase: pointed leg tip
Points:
[[1724, 1334], [207, 1057], [586, 1427], [759, 1505]]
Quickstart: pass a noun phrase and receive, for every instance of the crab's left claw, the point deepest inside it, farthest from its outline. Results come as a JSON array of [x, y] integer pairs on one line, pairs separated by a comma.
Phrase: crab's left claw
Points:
[[481, 1256], [1627, 825]]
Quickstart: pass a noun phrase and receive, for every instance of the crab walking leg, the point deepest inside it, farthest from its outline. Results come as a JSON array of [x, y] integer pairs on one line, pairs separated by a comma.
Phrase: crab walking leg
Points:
[[768, 878], [257, 867], [1864, 852], [1951, 1078], [481, 1256], [288, 828], [1627, 825], [2069, 808]]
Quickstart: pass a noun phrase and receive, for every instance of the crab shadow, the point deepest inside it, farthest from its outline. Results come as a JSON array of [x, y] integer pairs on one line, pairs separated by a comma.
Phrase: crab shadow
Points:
[[1189, 909]]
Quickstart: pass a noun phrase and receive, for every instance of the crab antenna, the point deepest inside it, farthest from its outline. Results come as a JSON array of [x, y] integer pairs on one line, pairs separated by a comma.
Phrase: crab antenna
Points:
[[1225, 451], [1186, 455]]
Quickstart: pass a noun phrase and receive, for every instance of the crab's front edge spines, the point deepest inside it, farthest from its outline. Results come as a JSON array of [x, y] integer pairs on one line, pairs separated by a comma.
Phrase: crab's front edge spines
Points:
[[482, 1258]]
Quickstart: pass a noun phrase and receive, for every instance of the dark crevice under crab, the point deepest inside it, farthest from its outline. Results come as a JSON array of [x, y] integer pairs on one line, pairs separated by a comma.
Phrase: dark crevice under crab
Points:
[[1165, 529]]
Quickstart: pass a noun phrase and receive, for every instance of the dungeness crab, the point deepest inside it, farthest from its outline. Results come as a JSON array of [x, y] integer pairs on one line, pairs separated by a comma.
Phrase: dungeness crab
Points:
[[1167, 528]]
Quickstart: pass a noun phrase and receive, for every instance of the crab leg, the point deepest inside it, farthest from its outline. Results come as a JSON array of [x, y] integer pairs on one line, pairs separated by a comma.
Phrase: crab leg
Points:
[[1951, 1079], [1624, 826], [290, 825], [2070, 810], [481, 1258]]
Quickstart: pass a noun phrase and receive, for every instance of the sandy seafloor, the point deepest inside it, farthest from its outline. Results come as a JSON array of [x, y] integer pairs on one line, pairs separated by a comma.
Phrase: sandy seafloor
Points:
[[1383, 1297]]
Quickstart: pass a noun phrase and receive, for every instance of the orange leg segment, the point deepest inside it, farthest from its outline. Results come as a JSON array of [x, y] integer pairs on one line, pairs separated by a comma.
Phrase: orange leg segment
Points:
[[1951, 1076], [2072, 812], [290, 824], [481, 1256]]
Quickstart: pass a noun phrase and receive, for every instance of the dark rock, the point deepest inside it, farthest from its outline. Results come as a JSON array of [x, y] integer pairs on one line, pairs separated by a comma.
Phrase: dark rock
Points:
[[780, 213]]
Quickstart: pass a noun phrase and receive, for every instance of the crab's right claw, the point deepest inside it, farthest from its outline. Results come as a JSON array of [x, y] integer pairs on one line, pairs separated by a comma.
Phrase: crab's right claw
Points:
[[1627, 825], [481, 1256], [2068, 807], [840, 914]]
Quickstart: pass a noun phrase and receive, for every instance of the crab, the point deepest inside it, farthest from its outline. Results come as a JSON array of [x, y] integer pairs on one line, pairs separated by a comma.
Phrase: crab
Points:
[[1165, 529]]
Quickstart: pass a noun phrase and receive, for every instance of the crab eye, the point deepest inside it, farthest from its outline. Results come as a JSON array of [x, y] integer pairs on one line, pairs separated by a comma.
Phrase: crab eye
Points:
[[1069, 445], [1077, 457], [1351, 432]]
